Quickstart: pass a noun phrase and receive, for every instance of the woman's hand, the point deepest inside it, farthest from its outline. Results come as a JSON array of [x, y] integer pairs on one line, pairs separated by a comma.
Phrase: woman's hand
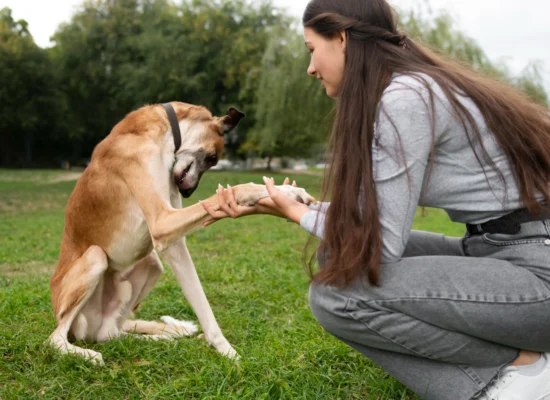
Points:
[[230, 209]]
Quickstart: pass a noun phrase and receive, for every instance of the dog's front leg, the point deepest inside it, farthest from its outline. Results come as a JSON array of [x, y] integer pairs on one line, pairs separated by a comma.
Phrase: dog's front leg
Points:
[[179, 259]]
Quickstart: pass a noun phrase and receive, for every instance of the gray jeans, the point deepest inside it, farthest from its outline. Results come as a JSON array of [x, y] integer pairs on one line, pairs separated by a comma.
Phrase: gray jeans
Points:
[[451, 313]]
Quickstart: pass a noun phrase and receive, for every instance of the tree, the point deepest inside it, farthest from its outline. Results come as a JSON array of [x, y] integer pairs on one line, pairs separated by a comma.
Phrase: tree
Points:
[[439, 34], [28, 94], [531, 83], [292, 108], [118, 55]]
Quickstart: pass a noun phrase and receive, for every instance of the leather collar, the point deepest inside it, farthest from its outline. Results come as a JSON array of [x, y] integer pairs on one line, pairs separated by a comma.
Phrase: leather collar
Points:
[[174, 124]]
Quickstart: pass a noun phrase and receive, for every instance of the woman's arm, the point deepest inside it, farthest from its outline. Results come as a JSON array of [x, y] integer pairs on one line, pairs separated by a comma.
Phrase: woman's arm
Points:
[[314, 222], [406, 133]]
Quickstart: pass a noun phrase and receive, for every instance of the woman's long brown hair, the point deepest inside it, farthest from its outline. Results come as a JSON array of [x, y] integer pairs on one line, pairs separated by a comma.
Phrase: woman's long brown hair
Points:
[[374, 52]]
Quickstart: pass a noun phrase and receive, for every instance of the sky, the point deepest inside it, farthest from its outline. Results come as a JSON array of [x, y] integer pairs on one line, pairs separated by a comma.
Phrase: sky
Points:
[[516, 32]]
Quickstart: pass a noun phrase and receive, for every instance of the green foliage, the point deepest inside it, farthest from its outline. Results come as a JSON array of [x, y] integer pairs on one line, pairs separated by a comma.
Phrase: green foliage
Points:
[[531, 83], [114, 56], [28, 94], [120, 55], [440, 34], [292, 108]]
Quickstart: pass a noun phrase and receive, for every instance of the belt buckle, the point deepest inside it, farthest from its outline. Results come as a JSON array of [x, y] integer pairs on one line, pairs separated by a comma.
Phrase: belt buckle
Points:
[[479, 229]]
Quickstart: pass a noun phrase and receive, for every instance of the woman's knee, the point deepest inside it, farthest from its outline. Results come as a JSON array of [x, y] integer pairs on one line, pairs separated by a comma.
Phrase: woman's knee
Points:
[[328, 305]]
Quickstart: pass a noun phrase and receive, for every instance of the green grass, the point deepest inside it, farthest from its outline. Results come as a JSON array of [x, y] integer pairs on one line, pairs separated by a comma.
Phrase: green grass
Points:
[[250, 270]]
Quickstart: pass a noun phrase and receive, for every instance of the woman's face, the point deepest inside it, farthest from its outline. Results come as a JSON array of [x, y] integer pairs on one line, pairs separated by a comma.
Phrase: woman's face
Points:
[[327, 59]]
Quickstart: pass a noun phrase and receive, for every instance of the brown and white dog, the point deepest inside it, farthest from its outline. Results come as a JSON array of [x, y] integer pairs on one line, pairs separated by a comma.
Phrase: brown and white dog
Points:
[[125, 208]]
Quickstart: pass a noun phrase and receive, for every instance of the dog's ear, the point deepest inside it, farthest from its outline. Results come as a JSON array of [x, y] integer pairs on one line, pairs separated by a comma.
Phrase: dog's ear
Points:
[[231, 120]]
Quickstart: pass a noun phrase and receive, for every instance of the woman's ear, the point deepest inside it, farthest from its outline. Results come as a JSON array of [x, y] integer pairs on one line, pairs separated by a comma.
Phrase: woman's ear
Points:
[[343, 39]]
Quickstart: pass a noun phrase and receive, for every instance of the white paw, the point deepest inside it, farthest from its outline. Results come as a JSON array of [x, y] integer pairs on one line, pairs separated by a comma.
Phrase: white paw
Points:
[[92, 356], [62, 345], [185, 328], [297, 194], [248, 194], [232, 354], [156, 337], [223, 347]]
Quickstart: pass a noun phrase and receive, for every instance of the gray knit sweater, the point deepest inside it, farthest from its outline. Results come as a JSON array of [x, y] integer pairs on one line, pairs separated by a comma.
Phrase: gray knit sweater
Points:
[[467, 191]]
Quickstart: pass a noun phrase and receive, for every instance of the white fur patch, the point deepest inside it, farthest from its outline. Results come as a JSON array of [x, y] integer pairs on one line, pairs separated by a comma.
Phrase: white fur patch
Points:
[[189, 328]]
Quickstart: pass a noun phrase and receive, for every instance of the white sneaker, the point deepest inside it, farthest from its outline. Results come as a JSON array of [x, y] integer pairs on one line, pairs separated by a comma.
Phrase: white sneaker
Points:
[[514, 385]]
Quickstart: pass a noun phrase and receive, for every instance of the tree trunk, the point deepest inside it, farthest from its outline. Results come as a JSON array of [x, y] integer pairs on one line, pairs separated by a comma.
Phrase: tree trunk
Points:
[[269, 163]]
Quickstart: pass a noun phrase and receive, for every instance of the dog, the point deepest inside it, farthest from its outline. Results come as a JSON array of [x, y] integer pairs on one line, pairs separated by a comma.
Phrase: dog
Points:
[[124, 211]]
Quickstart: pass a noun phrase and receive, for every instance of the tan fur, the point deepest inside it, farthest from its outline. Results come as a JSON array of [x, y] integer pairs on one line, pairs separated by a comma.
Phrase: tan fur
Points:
[[125, 208]]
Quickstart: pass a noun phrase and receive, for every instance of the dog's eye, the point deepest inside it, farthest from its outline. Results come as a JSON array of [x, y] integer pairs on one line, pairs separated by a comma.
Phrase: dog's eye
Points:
[[211, 160]]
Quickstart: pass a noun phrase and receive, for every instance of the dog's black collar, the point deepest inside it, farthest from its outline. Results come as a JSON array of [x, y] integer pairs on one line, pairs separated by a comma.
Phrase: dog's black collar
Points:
[[174, 124]]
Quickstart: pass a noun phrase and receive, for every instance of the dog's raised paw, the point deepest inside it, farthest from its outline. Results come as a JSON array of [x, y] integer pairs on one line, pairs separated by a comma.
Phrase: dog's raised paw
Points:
[[297, 194]]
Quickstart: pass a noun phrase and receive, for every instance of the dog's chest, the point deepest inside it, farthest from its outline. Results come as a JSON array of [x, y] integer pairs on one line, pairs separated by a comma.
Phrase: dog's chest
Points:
[[131, 243]]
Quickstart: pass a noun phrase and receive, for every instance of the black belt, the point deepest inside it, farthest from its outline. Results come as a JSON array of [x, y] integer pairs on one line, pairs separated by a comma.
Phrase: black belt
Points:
[[508, 224]]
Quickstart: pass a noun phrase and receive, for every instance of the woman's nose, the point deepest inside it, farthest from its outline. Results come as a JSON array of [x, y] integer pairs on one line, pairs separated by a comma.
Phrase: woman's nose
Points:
[[311, 69]]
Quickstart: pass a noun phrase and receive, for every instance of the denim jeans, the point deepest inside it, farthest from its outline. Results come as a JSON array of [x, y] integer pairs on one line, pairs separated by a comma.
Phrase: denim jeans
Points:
[[451, 313]]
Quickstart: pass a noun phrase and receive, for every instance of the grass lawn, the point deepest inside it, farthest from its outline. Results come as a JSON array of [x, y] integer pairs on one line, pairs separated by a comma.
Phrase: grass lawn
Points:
[[250, 270]]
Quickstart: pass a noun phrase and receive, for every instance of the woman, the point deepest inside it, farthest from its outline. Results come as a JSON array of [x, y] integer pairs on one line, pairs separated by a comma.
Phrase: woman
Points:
[[451, 318]]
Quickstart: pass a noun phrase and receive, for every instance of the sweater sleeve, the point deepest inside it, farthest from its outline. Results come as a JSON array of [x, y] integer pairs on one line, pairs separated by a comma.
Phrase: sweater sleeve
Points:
[[320, 206], [401, 150], [313, 221]]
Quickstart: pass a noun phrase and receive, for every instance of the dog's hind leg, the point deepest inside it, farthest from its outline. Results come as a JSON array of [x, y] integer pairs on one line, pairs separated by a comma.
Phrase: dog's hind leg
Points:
[[170, 328], [70, 292], [180, 260], [143, 277]]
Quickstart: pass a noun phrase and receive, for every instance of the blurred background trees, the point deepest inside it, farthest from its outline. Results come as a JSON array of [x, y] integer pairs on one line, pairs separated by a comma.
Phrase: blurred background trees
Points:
[[114, 56]]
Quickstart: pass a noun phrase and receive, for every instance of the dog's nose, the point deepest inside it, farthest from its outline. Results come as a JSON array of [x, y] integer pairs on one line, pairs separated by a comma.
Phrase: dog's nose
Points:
[[187, 192]]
